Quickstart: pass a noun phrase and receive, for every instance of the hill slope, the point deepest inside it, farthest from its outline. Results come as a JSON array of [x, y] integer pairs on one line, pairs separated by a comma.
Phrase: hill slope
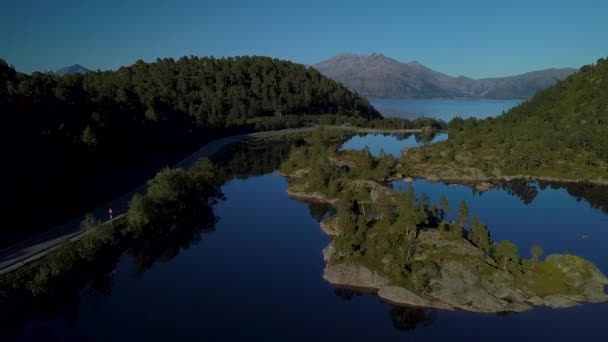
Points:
[[75, 140], [379, 76], [561, 132]]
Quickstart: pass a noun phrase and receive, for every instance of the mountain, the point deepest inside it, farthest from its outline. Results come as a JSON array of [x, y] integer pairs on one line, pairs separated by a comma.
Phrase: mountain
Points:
[[379, 76], [72, 69]]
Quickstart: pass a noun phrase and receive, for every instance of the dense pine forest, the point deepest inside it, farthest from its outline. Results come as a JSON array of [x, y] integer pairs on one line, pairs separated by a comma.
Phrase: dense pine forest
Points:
[[561, 132], [67, 139]]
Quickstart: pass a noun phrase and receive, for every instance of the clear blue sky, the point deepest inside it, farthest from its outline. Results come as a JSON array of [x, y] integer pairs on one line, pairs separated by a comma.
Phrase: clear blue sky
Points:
[[473, 38]]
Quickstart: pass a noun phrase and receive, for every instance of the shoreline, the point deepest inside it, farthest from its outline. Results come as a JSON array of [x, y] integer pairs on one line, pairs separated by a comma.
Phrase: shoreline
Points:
[[492, 180], [479, 299]]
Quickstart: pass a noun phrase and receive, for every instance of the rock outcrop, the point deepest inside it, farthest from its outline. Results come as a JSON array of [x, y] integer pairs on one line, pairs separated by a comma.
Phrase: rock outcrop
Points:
[[469, 280]]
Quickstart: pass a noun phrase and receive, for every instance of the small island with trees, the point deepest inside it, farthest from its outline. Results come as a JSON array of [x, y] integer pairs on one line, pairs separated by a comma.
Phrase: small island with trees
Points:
[[400, 246]]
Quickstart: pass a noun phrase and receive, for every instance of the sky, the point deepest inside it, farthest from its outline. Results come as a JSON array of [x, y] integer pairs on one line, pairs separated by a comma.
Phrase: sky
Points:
[[472, 38]]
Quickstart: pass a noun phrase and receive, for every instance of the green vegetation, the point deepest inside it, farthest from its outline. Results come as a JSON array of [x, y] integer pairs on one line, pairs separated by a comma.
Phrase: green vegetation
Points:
[[536, 252], [176, 200], [562, 132], [403, 238], [76, 134]]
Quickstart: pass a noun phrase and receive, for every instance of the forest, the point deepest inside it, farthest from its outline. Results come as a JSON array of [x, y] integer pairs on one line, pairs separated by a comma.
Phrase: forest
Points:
[[562, 132], [70, 142]]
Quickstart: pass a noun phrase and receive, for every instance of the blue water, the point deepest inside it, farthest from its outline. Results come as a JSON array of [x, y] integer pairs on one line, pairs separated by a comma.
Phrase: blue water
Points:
[[258, 276], [444, 109], [553, 219], [390, 143]]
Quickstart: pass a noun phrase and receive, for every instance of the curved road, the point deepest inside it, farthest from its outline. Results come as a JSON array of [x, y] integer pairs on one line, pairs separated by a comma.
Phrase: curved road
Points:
[[37, 246]]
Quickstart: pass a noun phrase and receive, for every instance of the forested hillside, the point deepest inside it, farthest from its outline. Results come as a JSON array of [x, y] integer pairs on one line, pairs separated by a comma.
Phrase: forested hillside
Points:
[[561, 132], [62, 136]]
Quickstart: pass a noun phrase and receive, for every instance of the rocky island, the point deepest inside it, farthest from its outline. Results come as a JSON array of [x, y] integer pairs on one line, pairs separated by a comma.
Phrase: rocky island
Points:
[[400, 246]]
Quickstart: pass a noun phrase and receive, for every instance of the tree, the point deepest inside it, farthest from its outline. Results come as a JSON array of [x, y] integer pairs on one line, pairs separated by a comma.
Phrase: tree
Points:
[[505, 251], [89, 136], [89, 223], [444, 204], [410, 216], [480, 235], [463, 214], [536, 252]]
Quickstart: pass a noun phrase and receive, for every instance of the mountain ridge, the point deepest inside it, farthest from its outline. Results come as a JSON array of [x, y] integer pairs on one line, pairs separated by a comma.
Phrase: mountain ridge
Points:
[[72, 69], [377, 75]]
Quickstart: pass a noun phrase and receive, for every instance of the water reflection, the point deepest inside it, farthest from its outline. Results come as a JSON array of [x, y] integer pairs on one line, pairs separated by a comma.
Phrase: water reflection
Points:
[[95, 288], [164, 247], [409, 318], [391, 143], [320, 211]]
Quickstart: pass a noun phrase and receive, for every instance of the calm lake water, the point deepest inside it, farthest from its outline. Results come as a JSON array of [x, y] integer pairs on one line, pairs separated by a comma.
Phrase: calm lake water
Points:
[[444, 109], [257, 274], [390, 143]]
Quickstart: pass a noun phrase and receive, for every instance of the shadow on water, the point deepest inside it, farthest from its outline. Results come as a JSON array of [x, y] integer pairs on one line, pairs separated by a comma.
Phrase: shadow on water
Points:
[[240, 160], [410, 318], [404, 318], [96, 281]]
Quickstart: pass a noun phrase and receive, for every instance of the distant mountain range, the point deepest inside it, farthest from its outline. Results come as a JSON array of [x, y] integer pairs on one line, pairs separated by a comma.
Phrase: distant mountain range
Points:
[[379, 76], [72, 69]]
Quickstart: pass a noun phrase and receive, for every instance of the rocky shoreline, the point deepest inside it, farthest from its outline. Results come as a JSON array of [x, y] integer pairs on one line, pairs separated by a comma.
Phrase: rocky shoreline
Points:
[[465, 276], [450, 175], [459, 288]]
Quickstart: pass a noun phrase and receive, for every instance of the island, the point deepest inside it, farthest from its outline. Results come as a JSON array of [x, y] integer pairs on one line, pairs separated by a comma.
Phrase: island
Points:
[[399, 245]]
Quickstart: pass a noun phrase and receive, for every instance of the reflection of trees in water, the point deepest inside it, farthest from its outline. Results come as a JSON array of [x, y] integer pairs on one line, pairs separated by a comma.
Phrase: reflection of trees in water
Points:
[[402, 136], [320, 211], [257, 157], [525, 190], [425, 138], [409, 318], [165, 246], [404, 318], [595, 195], [14, 317], [346, 294], [96, 281]]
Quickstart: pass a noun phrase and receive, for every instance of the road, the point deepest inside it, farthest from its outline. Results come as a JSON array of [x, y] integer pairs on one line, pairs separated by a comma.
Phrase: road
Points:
[[37, 246]]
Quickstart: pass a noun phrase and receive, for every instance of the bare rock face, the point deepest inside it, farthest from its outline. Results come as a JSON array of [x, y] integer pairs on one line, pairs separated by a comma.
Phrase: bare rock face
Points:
[[330, 226], [583, 275], [353, 275], [308, 196], [555, 301], [459, 287], [328, 252], [468, 281], [400, 295]]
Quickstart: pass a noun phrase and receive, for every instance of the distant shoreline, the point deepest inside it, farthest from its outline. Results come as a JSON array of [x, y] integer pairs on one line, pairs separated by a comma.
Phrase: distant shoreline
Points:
[[447, 98]]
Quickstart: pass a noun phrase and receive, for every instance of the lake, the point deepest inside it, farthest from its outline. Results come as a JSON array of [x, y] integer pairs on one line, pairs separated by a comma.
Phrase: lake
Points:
[[256, 274], [443, 109]]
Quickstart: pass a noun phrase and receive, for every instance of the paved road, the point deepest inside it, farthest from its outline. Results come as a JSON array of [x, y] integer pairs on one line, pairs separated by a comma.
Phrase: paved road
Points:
[[35, 247]]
